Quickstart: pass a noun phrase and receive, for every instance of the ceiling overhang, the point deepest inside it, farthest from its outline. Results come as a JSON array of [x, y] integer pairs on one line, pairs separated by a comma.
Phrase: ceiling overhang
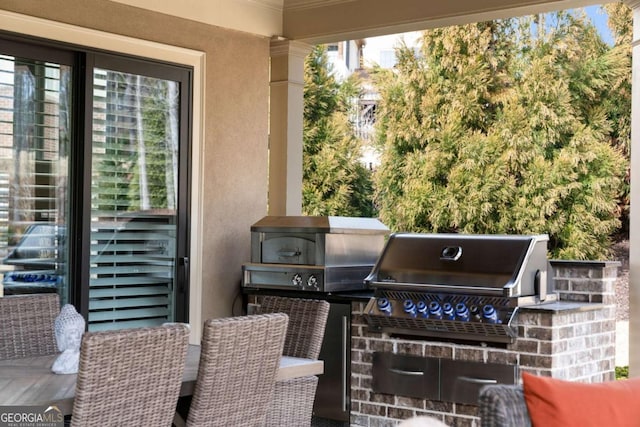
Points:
[[322, 21]]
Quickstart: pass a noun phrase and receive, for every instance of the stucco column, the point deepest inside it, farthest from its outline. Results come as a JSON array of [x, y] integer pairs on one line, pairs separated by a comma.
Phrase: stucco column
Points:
[[285, 120], [634, 233]]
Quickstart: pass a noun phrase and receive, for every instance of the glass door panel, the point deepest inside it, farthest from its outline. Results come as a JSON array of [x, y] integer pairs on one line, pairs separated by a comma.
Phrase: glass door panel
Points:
[[35, 104], [134, 175]]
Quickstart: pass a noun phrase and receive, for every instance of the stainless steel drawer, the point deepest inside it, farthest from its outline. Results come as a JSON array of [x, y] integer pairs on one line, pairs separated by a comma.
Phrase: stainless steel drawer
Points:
[[405, 375], [457, 381], [462, 380]]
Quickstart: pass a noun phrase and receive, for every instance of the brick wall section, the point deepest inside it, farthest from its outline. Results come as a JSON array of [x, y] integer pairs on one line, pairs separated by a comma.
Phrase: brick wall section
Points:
[[586, 281], [568, 341], [573, 338]]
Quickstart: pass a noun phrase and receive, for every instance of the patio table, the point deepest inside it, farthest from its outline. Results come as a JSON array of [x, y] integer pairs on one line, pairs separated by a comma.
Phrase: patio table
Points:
[[29, 381]]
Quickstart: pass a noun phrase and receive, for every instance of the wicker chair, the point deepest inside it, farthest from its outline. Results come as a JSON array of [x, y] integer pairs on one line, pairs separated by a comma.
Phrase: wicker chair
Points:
[[130, 377], [239, 361], [293, 399], [26, 325], [502, 405]]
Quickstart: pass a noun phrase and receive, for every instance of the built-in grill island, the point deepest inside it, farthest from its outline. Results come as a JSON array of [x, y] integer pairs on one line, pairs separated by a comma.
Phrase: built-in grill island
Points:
[[393, 350], [453, 312], [457, 286]]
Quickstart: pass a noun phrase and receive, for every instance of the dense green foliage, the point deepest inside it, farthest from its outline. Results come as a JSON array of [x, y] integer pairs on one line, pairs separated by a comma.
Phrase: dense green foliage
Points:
[[137, 167], [622, 372], [155, 155], [334, 180], [505, 127], [621, 25]]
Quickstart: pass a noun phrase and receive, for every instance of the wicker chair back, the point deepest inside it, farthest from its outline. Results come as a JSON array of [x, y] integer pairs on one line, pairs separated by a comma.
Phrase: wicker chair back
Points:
[[26, 325], [293, 399], [130, 377], [239, 360]]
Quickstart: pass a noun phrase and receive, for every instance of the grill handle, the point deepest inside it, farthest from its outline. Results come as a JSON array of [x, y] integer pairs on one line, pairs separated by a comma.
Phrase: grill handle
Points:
[[505, 291], [410, 373], [540, 284], [482, 381], [289, 254]]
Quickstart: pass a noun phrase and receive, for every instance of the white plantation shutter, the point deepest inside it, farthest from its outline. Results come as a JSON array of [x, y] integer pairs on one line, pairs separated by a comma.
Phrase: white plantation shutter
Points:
[[133, 231], [34, 132]]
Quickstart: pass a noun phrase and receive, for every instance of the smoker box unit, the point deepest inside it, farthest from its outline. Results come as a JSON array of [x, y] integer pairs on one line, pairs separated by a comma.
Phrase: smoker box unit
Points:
[[456, 286], [313, 253]]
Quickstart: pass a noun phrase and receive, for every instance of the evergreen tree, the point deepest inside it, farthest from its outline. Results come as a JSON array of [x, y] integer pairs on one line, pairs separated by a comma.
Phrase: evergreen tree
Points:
[[621, 25], [153, 149], [335, 182], [502, 127]]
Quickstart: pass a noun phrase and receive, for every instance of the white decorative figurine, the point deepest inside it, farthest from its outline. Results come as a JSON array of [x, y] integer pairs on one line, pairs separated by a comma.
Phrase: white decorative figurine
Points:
[[68, 328]]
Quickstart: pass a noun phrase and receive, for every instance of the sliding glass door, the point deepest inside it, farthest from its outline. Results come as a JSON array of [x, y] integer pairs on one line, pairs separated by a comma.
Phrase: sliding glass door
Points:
[[94, 192], [134, 198], [35, 130]]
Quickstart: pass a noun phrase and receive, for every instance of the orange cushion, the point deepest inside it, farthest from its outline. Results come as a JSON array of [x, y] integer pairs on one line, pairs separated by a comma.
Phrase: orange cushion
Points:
[[553, 402]]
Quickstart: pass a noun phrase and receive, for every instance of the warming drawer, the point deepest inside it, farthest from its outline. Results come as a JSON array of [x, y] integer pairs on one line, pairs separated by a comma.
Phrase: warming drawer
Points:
[[406, 375], [432, 378], [461, 380]]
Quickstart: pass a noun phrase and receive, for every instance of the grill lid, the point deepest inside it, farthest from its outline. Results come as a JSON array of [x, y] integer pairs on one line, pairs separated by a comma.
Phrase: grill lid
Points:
[[507, 265]]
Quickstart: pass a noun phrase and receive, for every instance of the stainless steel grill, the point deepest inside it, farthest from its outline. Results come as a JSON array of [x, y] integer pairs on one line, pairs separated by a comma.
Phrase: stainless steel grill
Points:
[[313, 253], [456, 286]]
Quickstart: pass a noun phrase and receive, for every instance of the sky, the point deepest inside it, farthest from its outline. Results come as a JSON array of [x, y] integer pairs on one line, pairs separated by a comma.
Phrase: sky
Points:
[[599, 18]]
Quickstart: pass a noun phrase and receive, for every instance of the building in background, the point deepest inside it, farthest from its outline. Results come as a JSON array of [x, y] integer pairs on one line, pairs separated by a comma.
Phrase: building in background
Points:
[[357, 56]]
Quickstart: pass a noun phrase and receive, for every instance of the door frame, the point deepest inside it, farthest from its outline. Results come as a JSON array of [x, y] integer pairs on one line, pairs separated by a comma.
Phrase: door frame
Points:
[[88, 38]]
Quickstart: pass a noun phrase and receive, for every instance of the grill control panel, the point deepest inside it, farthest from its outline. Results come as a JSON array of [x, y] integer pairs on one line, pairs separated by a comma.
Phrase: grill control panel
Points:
[[436, 309], [303, 279], [451, 316]]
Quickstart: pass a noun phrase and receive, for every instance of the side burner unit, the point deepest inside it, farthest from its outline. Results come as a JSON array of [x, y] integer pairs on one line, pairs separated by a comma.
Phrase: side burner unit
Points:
[[456, 286]]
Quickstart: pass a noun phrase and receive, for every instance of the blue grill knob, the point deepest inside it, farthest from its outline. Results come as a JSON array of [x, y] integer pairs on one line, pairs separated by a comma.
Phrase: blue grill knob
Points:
[[447, 311], [435, 310], [409, 307], [422, 308], [384, 305], [490, 314], [462, 312]]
